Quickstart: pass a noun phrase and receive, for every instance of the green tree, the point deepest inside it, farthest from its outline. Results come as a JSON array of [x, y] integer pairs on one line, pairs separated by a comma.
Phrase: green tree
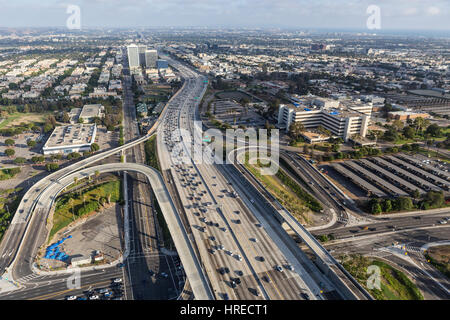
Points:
[[31, 143], [73, 155], [296, 129], [387, 205], [434, 130], [10, 152], [376, 208], [20, 160], [37, 159], [9, 142], [52, 166], [95, 147], [48, 127], [80, 120], [66, 117], [398, 125], [409, 132], [416, 194], [419, 123]]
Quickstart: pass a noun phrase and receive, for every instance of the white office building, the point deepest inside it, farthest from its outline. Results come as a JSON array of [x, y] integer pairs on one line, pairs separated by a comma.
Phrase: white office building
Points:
[[70, 138], [342, 121], [133, 56]]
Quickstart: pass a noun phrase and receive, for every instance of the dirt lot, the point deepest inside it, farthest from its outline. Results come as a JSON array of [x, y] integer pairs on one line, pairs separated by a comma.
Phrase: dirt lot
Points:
[[98, 232]]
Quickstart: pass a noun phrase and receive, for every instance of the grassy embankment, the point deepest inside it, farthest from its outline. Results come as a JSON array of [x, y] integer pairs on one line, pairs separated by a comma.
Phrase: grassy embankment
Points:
[[439, 257], [84, 202], [394, 284], [293, 197], [9, 201]]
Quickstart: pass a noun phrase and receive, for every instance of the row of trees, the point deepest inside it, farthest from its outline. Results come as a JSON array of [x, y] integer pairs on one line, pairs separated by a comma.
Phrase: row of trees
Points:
[[430, 200]]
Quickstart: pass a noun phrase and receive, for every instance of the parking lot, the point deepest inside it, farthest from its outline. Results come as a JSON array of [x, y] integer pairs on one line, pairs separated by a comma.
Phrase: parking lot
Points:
[[390, 176], [20, 147], [105, 139]]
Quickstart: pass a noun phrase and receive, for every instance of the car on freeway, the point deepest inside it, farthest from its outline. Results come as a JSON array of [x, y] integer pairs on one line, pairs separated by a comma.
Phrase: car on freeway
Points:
[[289, 267], [212, 251], [278, 268], [212, 238], [254, 291], [239, 273], [164, 275], [117, 280], [304, 295], [260, 258], [94, 297], [266, 279], [225, 296], [71, 298]]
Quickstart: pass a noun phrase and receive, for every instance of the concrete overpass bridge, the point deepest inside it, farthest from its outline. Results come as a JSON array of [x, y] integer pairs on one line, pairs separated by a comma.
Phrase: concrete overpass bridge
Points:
[[22, 264]]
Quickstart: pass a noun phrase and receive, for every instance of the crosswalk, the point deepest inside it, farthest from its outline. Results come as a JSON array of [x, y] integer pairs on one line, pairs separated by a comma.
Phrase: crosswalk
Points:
[[28, 278], [413, 249], [342, 220]]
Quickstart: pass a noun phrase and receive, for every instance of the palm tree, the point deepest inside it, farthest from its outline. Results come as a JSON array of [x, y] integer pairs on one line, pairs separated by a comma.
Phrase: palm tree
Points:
[[296, 129], [71, 204]]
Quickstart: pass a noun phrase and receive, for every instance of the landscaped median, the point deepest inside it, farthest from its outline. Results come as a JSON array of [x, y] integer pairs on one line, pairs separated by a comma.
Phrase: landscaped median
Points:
[[393, 284]]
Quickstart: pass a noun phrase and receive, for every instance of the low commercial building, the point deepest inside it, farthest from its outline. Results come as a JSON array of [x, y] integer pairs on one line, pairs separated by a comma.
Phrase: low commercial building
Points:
[[91, 111], [79, 261], [405, 115], [342, 120], [70, 138]]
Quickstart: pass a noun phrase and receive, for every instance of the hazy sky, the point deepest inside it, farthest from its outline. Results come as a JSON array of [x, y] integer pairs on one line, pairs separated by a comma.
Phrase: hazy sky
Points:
[[395, 14]]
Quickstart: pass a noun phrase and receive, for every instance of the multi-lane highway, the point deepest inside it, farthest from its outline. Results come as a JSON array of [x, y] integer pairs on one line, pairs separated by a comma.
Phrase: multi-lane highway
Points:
[[240, 255]]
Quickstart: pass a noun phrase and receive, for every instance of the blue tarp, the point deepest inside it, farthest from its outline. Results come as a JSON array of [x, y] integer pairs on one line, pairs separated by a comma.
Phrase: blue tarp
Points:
[[54, 251], [306, 109]]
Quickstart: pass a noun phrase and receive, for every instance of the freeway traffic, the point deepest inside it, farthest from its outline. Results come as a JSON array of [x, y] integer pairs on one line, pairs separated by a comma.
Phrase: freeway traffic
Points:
[[240, 258]]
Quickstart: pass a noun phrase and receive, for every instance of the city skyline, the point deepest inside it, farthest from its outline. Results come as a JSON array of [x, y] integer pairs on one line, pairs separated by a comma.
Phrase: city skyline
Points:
[[322, 14]]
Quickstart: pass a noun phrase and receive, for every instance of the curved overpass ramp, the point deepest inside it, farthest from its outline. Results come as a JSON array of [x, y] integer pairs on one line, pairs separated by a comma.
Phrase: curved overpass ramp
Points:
[[197, 279]]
